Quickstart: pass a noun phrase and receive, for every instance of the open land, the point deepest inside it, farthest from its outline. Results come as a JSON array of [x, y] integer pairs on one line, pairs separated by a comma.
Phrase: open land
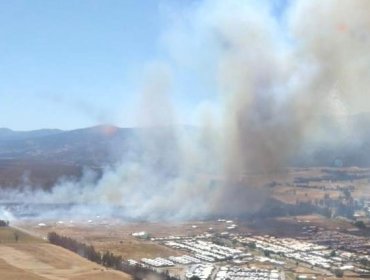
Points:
[[33, 258], [118, 238], [286, 245]]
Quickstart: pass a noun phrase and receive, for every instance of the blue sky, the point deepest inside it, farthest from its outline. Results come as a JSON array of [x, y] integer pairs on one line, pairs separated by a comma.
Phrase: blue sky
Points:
[[69, 64]]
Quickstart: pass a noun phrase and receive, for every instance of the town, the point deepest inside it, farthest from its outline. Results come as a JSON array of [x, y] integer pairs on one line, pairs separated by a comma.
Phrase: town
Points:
[[218, 256]]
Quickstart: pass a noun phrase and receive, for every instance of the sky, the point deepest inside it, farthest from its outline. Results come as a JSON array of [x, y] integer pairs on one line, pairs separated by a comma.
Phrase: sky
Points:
[[71, 64]]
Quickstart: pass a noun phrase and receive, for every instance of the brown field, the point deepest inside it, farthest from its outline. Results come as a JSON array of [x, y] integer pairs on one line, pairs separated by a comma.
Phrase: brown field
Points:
[[31, 258], [290, 192], [7, 235], [8, 271], [116, 237], [294, 226], [291, 195]]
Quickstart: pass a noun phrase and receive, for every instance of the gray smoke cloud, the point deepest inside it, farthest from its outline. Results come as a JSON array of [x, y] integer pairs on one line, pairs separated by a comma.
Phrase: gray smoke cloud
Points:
[[274, 77], [276, 94]]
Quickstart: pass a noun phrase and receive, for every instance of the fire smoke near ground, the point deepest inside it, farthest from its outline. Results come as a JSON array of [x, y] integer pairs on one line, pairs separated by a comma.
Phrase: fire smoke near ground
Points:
[[273, 73]]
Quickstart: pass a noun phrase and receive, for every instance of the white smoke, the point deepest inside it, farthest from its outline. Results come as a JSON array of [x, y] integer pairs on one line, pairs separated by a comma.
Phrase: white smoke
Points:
[[274, 76]]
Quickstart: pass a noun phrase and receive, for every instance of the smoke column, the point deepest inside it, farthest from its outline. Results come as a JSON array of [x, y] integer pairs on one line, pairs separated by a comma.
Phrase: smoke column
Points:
[[274, 76]]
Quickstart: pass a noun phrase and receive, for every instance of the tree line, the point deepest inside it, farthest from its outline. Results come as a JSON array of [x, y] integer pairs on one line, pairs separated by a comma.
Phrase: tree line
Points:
[[82, 249], [107, 259]]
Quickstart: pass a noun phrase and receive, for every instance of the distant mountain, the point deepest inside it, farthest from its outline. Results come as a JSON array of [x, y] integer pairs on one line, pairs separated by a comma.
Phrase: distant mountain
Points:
[[8, 134], [42, 157], [88, 146], [344, 141]]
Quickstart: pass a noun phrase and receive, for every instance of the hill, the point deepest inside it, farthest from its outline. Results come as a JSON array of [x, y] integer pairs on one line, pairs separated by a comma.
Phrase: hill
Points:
[[34, 259], [88, 146], [42, 157]]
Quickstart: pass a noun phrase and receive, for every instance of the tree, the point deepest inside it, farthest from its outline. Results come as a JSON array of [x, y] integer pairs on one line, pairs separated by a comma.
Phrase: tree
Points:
[[252, 245], [347, 194], [365, 262], [266, 253], [16, 236], [108, 259], [360, 224]]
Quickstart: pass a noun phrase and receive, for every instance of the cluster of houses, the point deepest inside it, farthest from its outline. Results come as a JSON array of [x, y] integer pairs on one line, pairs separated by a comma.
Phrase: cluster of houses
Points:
[[171, 261], [343, 241], [157, 262], [316, 255], [185, 259], [205, 250], [325, 250], [291, 248], [238, 273], [202, 271]]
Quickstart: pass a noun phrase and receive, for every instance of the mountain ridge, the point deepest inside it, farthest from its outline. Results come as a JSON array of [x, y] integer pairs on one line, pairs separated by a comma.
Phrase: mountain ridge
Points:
[[68, 152]]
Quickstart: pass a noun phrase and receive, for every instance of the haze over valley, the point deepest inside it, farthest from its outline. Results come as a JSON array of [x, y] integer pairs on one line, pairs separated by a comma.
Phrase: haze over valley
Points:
[[185, 140]]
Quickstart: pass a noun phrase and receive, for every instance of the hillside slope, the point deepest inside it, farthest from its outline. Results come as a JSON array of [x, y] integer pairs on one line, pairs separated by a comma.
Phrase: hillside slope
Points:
[[34, 259], [42, 157]]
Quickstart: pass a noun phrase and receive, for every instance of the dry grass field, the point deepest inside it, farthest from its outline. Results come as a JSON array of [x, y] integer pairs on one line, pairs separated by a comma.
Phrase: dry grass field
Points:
[[293, 226], [116, 237], [8, 271], [32, 258], [290, 191], [8, 236]]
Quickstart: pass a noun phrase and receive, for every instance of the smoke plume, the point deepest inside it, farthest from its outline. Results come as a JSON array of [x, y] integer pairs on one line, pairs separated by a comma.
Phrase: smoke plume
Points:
[[273, 74]]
